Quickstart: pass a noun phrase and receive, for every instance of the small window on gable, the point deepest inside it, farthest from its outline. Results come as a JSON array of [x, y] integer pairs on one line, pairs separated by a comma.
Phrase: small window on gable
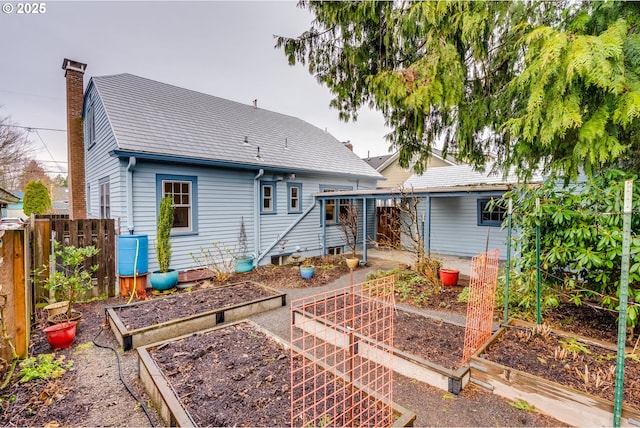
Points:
[[91, 125], [490, 214], [295, 197], [268, 197]]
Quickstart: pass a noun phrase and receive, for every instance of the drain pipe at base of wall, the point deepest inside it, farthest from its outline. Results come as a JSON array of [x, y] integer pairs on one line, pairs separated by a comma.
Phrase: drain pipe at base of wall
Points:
[[130, 167], [287, 230], [256, 214]]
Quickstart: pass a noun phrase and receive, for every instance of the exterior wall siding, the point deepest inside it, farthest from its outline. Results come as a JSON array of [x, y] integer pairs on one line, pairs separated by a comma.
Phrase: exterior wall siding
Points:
[[455, 230], [99, 165], [306, 236], [225, 197]]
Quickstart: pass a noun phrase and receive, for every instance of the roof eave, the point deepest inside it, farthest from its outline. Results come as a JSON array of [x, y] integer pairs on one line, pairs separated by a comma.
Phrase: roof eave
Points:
[[158, 157]]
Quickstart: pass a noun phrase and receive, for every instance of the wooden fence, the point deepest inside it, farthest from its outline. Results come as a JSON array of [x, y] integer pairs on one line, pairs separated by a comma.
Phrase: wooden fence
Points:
[[79, 233], [14, 293]]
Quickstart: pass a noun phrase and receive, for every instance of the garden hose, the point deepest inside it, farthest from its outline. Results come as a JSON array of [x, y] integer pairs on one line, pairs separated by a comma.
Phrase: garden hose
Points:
[[115, 351], [135, 271]]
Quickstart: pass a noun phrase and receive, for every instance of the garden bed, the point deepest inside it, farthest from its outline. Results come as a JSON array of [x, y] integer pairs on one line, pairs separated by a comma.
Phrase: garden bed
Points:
[[568, 377], [163, 318], [240, 371], [426, 349]]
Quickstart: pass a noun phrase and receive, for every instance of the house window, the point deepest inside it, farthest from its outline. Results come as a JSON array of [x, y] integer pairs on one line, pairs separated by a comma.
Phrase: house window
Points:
[[334, 207], [268, 196], [183, 190], [91, 125], [490, 215], [104, 195], [295, 197], [334, 251]]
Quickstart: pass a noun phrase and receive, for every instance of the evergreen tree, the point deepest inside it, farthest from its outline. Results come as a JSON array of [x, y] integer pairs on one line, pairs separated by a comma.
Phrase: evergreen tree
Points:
[[532, 82], [36, 198]]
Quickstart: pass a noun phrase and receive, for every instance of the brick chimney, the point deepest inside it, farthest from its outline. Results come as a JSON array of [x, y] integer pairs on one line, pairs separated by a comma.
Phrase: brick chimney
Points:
[[74, 74]]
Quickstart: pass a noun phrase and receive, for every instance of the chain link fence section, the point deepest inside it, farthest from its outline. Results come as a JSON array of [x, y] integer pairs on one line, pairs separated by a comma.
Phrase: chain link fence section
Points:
[[482, 295], [341, 356]]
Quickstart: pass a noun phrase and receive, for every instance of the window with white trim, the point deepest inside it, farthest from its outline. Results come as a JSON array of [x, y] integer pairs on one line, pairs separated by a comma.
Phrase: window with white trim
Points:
[[294, 191], [91, 124], [334, 207], [268, 197], [104, 195], [181, 191]]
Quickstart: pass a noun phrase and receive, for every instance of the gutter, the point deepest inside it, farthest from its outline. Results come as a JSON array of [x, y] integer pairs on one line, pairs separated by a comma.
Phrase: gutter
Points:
[[130, 167], [286, 231], [256, 213]]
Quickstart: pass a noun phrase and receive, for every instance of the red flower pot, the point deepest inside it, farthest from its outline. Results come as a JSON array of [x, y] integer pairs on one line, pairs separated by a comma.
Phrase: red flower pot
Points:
[[449, 277], [61, 335]]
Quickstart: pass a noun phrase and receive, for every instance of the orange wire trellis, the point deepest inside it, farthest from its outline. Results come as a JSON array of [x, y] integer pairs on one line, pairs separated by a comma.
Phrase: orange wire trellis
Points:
[[482, 294], [341, 356]]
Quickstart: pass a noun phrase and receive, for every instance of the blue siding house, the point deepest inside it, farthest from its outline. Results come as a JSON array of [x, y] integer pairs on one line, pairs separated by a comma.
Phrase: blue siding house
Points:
[[455, 201], [225, 163]]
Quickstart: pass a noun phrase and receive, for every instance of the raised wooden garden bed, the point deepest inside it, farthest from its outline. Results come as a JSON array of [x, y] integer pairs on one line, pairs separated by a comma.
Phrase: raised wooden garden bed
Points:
[[156, 320], [562, 402], [449, 379], [245, 382]]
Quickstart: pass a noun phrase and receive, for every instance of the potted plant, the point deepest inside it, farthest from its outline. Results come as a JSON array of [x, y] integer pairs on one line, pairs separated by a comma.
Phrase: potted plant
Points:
[[244, 262], [307, 268], [349, 225], [164, 278], [449, 277], [68, 281]]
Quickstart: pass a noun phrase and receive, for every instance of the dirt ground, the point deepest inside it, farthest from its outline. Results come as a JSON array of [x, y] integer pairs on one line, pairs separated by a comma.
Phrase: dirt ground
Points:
[[90, 392]]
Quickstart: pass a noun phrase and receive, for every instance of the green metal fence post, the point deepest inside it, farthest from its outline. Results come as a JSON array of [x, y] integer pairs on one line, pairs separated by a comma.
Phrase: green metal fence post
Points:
[[624, 295], [508, 273], [538, 280]]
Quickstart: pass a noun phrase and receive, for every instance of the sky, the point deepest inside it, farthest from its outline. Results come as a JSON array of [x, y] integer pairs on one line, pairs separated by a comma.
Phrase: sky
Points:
[[219, 48]]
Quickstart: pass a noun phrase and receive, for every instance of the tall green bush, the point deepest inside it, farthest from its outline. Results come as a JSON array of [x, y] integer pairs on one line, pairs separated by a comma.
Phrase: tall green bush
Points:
[[163, 237], [36, 198], [581, 242]]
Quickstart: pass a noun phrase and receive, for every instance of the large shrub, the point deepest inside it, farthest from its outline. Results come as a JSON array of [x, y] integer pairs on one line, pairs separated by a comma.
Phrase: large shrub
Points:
[[36, 198], [581, 242]]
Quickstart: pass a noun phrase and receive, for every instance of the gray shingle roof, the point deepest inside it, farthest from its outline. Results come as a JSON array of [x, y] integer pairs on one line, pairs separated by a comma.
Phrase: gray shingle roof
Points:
[[462, 175], [376, 161], [157, 118]]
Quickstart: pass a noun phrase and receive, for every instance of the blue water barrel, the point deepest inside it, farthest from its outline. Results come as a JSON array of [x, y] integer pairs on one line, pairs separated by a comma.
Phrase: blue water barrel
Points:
[[127, 254]]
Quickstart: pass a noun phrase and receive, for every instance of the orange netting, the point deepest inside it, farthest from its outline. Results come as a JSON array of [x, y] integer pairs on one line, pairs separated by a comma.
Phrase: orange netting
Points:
[[482, 294], [341, 356]]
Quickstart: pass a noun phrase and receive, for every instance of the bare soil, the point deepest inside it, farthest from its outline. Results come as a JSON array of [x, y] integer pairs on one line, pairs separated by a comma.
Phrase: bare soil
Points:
[[187, 303], [90, 393], [582, 366]]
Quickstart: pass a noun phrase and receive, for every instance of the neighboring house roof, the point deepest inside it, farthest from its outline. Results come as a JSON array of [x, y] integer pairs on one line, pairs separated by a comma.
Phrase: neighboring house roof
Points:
[[60, 194], [7, 197], [154, 118], [376, 161], [379, 163], [463, 175]]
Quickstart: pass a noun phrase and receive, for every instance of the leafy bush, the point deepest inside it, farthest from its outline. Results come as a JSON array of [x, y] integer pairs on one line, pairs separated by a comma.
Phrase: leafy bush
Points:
[[36, 198], [580, 241]]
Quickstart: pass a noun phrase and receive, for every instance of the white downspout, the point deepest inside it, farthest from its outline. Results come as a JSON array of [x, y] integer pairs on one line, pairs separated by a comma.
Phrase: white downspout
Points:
[[256, 214], [130, 167]]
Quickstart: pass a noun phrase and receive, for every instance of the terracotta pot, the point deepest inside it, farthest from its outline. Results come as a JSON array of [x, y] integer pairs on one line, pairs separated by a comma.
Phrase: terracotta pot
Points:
[[61, 335], [449, 277]]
